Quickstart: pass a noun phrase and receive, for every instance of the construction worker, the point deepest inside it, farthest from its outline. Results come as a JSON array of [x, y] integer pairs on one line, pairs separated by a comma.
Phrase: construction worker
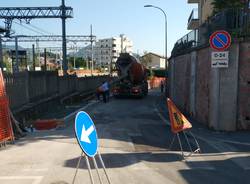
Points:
[[104, 91], [162, 86]]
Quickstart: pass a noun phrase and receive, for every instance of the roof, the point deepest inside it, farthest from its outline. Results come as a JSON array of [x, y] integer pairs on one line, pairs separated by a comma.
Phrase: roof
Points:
[[157, 55]]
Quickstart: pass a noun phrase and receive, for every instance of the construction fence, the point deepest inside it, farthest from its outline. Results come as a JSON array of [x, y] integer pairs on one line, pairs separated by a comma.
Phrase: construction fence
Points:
[[31, 87], [6, 132]]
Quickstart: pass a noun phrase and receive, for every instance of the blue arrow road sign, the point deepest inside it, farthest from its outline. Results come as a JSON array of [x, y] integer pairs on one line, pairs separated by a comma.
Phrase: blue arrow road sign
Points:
[[86, 134]]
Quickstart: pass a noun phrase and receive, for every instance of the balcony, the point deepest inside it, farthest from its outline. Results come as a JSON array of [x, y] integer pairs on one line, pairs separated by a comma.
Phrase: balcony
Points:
[[193, 20], [193, 1]]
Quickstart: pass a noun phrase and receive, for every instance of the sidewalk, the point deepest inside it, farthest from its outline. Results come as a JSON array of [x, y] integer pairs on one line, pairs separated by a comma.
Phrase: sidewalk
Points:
[[202, 131]]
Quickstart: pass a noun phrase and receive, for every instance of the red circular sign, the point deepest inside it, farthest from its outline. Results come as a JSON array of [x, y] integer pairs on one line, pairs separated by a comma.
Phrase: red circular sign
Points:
[[220, 40]]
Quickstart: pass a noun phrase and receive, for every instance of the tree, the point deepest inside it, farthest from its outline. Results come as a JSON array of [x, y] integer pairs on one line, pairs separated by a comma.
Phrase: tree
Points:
[[146, 59], [79, 62], [220, 5]]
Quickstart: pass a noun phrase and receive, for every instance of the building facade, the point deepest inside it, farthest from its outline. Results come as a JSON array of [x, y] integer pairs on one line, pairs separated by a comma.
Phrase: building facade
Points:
[[155, 61], [199, 15], [106, 51], [216, 97]]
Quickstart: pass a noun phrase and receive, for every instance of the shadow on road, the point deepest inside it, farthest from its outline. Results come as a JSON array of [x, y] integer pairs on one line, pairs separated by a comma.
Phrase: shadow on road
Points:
[[119, 160]]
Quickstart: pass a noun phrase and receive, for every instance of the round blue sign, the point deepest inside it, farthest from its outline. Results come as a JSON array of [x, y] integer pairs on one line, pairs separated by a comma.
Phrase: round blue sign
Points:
[[86, 134], [220, 40]]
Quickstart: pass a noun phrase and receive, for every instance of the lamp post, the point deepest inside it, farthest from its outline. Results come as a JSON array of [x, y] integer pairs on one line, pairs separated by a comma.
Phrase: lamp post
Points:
[[166, 46]]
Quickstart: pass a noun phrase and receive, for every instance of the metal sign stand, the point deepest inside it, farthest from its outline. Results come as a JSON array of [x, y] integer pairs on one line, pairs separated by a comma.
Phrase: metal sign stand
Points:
[[89, 168], [198, 150]]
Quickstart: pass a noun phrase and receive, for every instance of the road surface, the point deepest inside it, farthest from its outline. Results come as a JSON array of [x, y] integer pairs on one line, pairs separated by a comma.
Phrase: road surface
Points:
[[134, 141]]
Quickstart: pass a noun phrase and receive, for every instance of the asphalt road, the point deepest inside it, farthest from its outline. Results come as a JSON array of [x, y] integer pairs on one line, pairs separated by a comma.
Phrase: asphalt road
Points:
[[134, 138]]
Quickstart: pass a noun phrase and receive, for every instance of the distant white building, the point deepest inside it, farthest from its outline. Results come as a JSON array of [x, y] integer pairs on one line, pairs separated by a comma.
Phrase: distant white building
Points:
[[108, 50], [85, 52], [156, 61]]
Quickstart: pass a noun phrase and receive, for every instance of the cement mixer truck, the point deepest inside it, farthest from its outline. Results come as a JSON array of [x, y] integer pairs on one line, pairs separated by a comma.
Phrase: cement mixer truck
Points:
[[132, 77]]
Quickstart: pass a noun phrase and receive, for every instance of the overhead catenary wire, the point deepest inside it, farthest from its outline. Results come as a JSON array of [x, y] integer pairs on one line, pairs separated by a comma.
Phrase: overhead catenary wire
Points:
[[30, 29], [40, 29]]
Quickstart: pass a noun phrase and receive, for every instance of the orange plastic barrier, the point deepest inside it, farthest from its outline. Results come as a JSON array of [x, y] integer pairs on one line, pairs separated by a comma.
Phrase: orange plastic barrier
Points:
[[177, 120], [2, 87], [6, 131], [46, 124], [155, 82]]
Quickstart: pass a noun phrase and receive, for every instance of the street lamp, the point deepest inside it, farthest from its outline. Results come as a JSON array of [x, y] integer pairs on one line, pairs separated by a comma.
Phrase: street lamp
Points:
[[166, 46]]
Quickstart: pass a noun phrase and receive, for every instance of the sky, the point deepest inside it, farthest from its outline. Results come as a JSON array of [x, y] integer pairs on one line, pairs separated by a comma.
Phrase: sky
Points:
[[110, 18]]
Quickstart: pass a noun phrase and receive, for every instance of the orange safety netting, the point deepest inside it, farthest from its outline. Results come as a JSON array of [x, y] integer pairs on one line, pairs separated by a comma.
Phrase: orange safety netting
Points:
[[6, 132], [2, 88]]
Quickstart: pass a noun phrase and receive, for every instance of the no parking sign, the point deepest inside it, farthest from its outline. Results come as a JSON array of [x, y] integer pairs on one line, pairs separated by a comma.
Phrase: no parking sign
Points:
[[220, 40]]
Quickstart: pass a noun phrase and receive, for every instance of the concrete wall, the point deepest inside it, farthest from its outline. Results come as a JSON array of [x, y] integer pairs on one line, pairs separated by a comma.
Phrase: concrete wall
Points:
[[182, 79], [203, 70], [244, 87], [218, 98], [30, 87]]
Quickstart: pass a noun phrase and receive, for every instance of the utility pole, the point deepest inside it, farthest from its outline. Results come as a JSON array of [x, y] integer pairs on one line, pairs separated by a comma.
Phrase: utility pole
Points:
[[122, 35], [1, 53], [64, 43], [75, 51], [15, 64], [33, 57], [92, 54], [45, 60]]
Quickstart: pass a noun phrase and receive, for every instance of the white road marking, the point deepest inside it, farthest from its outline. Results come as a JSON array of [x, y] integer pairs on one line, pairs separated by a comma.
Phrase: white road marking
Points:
[[37, 179], [73, 114], [236, 142], [198, 163], [35, 170]]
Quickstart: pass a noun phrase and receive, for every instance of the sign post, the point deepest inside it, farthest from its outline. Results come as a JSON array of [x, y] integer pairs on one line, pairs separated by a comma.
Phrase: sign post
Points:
[[219, 42], [87, 139]]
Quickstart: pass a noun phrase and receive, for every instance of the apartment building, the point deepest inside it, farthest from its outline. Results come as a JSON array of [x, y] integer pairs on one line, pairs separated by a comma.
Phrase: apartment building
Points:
[[199, 15], [108, 50]]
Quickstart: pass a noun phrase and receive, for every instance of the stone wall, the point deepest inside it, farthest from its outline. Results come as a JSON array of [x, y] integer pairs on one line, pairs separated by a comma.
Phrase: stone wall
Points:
[[244, 87], [216, 97]]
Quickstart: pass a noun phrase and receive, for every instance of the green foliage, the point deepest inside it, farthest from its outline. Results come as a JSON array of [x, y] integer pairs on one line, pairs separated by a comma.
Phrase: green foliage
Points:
[[6, 62], [79, 62], [48, 54], [220, 5], [159, 73]]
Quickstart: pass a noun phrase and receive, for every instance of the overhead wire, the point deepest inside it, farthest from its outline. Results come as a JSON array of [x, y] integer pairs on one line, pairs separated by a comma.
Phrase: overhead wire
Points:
[[28, 28], [40, 29]]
